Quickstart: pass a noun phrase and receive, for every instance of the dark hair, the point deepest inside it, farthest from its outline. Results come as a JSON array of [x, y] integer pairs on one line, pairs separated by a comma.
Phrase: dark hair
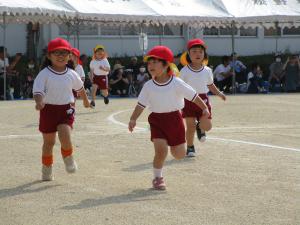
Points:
[[254, 65], [164, 62], [46, 63], [188, 58], [71, 65], [225, 58]]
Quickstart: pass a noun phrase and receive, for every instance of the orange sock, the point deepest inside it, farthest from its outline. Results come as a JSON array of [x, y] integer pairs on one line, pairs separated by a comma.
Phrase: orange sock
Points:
[[47, 160], [66, 152]]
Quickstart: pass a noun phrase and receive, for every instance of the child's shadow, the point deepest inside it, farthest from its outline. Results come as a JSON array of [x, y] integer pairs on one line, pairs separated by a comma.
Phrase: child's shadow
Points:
[[24, 189], [134, 196]]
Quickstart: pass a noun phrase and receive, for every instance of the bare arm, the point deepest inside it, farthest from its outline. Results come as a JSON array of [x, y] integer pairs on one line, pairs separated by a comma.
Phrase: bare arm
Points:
[[39, 104], [216, 91], [84, 97], [198, 101], [134, 116]]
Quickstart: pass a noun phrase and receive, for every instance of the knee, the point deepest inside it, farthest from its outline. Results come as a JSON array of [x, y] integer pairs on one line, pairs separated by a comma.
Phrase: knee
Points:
[[49, 143], [206, 127], [178, 155]]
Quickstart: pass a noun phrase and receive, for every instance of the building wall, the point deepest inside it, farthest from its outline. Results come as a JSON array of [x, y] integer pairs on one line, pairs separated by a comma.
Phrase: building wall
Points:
[[129, 45]]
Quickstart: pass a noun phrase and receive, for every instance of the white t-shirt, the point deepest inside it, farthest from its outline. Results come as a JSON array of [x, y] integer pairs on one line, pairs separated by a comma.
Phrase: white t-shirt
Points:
[[56, 87], [2, 64], [221, 69], [197, 79], [95, 66], [80, 71], [166, 97]]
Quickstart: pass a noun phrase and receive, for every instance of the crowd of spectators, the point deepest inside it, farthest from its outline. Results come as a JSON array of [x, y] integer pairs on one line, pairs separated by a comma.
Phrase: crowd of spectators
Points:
[[128, 79]]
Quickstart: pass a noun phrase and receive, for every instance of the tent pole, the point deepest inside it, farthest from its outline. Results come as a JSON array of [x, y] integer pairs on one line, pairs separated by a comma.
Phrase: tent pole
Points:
[[4, 53], [233, 60]]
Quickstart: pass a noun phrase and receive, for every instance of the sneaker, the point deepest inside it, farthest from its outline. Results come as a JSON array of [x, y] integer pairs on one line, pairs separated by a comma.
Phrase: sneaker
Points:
[[201, 136], [158, 183], [92, 104], [190, 152], [70, 164], [106, 100], [47, 173]]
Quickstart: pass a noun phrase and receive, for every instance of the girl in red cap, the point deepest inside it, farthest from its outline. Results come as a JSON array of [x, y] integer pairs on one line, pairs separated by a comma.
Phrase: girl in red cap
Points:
[[52, 92], [99, 70], [200, 77], [164, 96], [75, 54]]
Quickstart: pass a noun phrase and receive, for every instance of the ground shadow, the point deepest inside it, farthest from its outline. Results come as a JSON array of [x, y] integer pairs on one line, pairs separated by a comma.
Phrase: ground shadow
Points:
[[134, 196], [147, 166], [25, 189]]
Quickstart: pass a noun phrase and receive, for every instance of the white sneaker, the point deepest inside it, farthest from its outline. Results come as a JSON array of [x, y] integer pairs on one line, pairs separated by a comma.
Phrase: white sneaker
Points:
[[70, 164], [47, 173], [203, 138]]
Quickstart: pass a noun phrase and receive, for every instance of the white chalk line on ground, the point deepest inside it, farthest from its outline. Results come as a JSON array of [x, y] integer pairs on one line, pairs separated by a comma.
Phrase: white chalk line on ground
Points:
[[112, 119]]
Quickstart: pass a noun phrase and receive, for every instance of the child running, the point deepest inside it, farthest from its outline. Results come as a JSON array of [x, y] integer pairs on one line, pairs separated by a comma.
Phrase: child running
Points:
[[99, 70], [164, 95], [52, 92], [200, 77], [77, 66]]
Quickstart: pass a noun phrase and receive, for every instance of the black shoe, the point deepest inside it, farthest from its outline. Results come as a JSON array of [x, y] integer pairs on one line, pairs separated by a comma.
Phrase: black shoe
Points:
[[92, 104], [106, 100], [200, 135], [190, 152]]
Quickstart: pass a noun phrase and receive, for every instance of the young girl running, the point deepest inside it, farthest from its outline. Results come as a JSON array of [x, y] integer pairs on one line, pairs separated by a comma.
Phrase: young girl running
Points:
[[52, 92], [99, 70], [164, 95], [200, 77], [75, 59]]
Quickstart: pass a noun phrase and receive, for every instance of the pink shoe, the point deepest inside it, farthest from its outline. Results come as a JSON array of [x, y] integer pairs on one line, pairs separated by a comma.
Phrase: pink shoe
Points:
[[158, 183]]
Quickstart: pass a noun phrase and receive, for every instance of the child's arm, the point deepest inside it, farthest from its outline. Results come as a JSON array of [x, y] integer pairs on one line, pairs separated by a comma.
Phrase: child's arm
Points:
[[134, 116], [198, 101], [84, 97], [216, 91], [39, 104], [106, 69]]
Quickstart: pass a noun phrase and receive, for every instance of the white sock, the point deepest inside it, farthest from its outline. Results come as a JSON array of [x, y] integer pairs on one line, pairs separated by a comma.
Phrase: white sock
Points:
[[157, 172]]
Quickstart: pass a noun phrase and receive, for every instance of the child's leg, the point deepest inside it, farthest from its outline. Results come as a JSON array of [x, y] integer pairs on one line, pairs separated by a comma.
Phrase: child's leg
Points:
[[205, 124], [64, 135], [47, 156], [104, 92], [178, 151], [94, 91], [161, 152], [190, 130]]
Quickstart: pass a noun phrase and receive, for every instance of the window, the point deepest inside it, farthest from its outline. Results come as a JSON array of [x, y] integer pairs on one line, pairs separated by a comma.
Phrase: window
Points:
[[227, 31], [154, 30], [130, 30], [248, 32], [111, 30], [211, 31], [272, 31], [176, 30], [291, 31]]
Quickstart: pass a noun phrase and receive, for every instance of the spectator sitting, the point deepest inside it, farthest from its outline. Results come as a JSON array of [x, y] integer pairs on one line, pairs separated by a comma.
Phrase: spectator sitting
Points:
[[2, 59], [16, 74], [255, 81], [30, 74], [276, 73], [119, 83], [223, 75], [141, 79], [292, 73], [239, 68]]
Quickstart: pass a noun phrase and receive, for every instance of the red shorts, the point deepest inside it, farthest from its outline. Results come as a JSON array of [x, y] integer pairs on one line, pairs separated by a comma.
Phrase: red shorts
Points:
[[53, 115], [168, 126], [101, 81], [192, 110]]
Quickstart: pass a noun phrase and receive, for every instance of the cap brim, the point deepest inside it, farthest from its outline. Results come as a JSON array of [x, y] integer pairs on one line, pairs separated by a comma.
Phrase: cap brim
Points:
[[60, 48], [151, 56]]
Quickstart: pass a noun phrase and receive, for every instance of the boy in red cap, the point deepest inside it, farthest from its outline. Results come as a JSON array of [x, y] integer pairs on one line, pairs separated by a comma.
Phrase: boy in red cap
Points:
[[164, 95], [52, 92], [200, 77], [99, 70]]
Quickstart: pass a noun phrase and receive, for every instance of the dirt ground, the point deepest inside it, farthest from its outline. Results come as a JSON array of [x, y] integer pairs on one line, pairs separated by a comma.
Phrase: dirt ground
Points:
[[247, 172]]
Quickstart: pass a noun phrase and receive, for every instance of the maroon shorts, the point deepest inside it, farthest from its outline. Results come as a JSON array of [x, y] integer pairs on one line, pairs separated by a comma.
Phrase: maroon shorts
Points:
[[53, 115], [168, 126], [192, 110], [101, 81]]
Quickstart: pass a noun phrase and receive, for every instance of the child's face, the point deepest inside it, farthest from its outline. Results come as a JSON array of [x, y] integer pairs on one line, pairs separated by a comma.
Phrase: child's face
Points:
[[59, 58], [74, 58], [196, 54], [156, 67], [99, 54]]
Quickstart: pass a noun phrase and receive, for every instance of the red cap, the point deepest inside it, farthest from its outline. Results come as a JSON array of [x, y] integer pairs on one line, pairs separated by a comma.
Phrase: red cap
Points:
[[58, 43], [160, 52], [76, 52], [194, 42]]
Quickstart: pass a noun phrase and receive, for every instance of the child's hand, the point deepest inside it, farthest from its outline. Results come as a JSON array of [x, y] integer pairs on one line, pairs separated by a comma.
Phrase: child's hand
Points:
[[86, 104], [39, 106], [222, 96], [205, 113], [131, 125]]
